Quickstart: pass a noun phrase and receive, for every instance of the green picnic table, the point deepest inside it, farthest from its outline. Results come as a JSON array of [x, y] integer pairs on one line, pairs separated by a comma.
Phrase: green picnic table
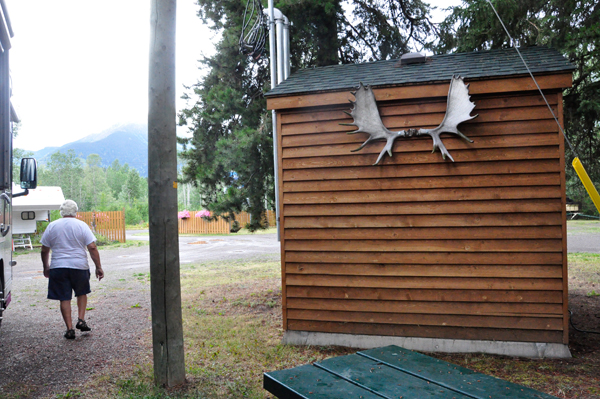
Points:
[[390, 372]]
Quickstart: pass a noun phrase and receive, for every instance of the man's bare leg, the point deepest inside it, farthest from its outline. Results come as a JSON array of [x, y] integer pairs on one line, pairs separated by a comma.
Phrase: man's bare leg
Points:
[[81, 305], [65, 310]]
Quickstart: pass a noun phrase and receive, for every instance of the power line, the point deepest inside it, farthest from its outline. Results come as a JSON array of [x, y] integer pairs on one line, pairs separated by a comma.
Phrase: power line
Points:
[[254, 30], [534, 80]]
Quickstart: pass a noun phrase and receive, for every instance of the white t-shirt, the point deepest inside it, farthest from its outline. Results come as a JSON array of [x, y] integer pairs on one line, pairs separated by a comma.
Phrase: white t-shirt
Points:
[[68, 238]]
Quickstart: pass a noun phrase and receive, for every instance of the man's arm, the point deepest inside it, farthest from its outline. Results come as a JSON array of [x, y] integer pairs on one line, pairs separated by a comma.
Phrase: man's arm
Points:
[[95, 254], [45, 260]]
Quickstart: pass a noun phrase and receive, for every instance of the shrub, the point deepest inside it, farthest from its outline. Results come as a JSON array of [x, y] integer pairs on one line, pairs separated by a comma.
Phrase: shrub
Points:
[[101, 240], [235, 227]]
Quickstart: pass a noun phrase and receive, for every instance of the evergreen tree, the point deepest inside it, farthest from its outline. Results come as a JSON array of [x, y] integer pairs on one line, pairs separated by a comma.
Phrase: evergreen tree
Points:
[[380, 30], [229, 158], [570, 26]]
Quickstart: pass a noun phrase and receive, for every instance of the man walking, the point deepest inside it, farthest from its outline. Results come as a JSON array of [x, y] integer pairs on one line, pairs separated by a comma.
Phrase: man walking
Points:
[[69, 270]]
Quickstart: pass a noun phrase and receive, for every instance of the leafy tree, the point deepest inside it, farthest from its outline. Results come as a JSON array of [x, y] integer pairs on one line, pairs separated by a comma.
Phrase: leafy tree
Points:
[[66, 171], [92, 186], [95, 185], [132, 187], [229, 158], [116, 175], [188, 198], [572, 27], [16, 126]]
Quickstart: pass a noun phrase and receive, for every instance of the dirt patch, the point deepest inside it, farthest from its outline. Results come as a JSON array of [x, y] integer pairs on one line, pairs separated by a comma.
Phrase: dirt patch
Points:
[[585, 317], [261, 297], [38, 362]]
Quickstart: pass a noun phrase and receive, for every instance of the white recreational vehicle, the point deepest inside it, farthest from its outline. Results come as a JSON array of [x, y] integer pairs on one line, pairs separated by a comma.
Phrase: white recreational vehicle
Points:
[[28, 165], [31, 208]]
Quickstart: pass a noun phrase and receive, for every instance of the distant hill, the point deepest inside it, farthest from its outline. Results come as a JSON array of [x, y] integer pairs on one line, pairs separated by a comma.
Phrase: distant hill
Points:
[[127, 143]]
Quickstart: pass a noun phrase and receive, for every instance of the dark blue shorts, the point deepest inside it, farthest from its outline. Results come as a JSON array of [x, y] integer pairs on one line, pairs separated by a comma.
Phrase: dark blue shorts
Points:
[[64, 281]]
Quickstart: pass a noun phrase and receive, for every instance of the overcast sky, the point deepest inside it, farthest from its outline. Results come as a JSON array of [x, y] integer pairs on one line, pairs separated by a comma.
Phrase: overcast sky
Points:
[[81, 66]]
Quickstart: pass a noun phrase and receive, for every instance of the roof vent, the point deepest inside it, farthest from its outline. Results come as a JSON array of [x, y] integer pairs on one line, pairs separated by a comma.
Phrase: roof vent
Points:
[[412, 58]]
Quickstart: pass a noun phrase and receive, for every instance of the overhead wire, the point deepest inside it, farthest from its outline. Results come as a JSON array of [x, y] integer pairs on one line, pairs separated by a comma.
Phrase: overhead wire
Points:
[[254, 30], [577, 164], [532, 77]]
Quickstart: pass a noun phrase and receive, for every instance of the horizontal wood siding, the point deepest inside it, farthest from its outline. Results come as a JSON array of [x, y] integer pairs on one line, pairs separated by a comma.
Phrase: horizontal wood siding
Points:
[[418, 246]]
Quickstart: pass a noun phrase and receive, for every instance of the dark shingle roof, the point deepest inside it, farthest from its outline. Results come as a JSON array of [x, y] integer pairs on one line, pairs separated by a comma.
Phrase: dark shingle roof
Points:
[[475, 65]]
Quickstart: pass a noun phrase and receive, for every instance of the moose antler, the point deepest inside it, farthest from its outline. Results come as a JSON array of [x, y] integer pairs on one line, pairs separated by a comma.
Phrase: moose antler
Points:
[[367, 120]]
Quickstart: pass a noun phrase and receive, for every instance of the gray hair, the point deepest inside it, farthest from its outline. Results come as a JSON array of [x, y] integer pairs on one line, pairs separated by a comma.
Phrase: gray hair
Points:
[[68, 208]]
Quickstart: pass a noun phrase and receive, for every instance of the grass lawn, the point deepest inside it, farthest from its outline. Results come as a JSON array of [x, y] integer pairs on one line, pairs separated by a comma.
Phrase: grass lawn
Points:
[[232, 331], [232, 327], [583, 226]]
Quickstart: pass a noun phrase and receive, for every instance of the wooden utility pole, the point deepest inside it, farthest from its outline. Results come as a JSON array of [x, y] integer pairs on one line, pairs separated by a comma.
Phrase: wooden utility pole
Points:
[[167, 329]]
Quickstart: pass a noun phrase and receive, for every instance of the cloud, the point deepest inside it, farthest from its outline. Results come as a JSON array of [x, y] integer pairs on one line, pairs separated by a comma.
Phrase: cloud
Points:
[[79, 67]]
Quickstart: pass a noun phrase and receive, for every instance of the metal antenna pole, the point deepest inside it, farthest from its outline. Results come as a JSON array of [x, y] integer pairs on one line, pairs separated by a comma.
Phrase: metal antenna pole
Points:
[[280, 52], [165, 287], [286, 47], [273, 63]]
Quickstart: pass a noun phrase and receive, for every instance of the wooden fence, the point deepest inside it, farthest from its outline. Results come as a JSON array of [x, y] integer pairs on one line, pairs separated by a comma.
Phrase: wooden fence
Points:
[[194, 225], [109, 224]]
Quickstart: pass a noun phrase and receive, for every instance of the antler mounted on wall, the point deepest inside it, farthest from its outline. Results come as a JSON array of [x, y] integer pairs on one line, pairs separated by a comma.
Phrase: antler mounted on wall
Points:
[[367, 119]]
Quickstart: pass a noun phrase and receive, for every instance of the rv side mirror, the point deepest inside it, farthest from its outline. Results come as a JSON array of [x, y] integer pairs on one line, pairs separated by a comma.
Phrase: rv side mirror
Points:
[[28, 173]]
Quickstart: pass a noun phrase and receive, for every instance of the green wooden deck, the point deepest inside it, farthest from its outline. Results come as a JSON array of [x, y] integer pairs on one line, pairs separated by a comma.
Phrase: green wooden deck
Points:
[[390, 372]]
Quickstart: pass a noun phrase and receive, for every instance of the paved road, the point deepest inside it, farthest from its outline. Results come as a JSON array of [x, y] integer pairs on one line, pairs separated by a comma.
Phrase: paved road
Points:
[[230, 247], [583, 243], [212, 248], [191, 249], [583, 238]]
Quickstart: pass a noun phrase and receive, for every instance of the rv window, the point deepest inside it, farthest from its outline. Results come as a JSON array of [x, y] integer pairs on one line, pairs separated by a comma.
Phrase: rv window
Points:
[[28, 215]]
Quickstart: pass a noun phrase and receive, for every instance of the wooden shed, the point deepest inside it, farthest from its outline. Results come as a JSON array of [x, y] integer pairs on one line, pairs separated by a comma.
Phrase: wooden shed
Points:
[[419, 251]]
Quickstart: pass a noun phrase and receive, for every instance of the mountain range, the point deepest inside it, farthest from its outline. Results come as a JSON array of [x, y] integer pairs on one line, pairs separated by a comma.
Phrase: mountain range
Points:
[[128, 143]]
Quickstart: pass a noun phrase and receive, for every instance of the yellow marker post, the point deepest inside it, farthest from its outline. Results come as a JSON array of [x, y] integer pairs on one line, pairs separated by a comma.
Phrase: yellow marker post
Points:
[[587, 183]]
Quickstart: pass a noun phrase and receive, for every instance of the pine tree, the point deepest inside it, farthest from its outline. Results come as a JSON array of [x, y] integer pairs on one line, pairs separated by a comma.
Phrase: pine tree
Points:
[[570, 26], [229, 158]]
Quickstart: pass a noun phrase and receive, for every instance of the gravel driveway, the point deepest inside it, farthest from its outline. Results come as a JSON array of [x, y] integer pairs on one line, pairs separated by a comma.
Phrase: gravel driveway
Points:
[[37, 362]]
